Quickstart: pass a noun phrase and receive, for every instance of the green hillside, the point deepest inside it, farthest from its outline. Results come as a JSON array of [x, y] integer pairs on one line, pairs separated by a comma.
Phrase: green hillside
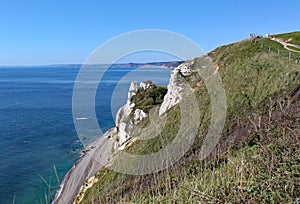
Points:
[[293, 37], [275, 47], [257, 160]]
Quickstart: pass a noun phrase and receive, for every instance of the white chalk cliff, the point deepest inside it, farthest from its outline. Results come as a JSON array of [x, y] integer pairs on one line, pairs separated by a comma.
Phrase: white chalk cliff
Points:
[[176, 86], [124, 124]]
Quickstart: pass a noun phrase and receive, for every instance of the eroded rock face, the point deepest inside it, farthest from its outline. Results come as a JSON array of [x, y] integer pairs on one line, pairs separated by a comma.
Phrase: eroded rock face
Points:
[[186, 68], [176, 86], [125, 110], [146, 85], [123, 121], [124, 124], [139, 115]]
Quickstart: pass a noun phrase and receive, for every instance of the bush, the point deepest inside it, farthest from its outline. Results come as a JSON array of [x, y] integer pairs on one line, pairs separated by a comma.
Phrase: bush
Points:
[[146, 99]]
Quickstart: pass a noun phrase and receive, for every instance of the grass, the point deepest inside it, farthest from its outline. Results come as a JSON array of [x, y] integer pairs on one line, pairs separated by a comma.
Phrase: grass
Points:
[[294, 36], [51, 190], [275, 178], [294, 48], [276, 48], [257, 159]]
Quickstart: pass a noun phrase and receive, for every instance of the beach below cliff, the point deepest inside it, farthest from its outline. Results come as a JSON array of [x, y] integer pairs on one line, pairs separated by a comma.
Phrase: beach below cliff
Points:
[[91, 161]]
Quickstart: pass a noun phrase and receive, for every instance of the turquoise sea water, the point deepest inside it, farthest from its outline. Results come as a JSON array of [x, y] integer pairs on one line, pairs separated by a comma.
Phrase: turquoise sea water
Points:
[[36, 124]]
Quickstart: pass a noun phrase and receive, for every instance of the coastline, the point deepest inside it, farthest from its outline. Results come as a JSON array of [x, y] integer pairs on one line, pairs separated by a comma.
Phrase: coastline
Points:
[[87, 165]]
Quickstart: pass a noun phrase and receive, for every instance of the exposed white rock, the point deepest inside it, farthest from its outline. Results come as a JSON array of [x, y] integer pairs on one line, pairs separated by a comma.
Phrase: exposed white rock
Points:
[[146, 85], [176, 86], [139, 115], [186, 68], [124, 124], [122, 134], [125, 110], [177, 89], [132, 91]]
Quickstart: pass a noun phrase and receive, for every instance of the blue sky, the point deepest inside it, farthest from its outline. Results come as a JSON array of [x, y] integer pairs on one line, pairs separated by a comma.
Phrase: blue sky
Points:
[[67, 31]]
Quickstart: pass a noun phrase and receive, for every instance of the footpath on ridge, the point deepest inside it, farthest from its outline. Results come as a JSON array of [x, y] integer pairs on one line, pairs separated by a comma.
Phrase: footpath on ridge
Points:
[[286, 45]]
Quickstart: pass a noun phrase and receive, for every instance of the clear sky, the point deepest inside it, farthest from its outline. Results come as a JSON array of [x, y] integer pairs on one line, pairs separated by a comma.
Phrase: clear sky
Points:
[[67, 31]]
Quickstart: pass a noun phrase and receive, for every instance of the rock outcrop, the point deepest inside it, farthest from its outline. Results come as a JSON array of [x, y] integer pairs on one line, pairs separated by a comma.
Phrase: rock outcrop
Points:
[[176, 86], [139, 115], [124, 122]]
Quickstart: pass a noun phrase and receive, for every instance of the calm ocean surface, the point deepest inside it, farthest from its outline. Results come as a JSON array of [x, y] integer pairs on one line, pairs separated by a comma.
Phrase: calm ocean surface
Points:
[[36, 124]]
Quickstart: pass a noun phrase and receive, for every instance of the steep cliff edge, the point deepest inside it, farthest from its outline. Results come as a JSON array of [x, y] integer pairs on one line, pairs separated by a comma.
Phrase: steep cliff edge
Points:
[[257, 158], [175, 89], [125, 123], [143, 97]]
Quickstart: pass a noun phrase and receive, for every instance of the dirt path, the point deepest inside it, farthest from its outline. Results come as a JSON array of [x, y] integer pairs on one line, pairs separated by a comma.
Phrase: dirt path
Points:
[[286, 45]]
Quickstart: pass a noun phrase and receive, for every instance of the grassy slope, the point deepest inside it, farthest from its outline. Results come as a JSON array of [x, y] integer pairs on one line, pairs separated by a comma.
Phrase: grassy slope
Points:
[[295, 36], [275, 46], [260, 163]]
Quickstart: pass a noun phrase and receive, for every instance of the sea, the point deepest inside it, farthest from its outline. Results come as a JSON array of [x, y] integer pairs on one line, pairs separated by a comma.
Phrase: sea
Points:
[[38, 140]]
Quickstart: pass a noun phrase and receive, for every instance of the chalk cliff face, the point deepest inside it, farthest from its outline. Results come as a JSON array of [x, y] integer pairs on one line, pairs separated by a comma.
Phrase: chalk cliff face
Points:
[[176, 86], [139, 115], [124, 123], [125, 110]]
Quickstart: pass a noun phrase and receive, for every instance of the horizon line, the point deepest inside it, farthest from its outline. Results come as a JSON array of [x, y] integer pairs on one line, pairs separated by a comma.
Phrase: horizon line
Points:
[[66, 64]]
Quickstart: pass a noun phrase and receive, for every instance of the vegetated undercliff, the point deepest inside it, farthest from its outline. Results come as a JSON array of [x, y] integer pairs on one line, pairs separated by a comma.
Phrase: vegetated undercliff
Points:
[[257, 158], [140, 100], [143, 98]]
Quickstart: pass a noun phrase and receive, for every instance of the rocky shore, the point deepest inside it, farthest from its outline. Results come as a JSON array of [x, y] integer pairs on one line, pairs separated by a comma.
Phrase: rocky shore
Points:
[[92, 160]]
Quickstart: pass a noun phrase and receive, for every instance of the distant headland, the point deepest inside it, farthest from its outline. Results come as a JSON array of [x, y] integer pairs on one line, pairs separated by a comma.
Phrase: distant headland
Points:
[[167, 64]]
